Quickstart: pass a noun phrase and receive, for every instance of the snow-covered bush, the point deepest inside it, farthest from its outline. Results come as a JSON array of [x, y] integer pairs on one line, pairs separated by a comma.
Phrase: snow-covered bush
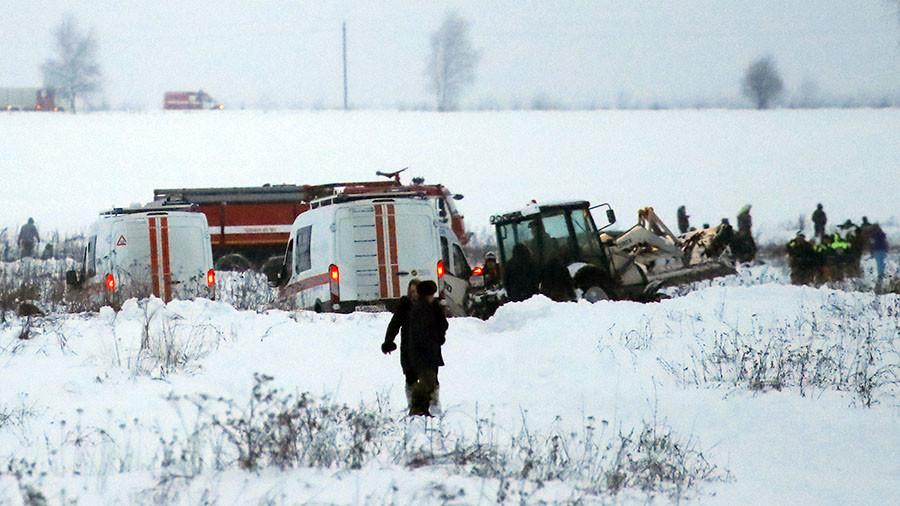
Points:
[[835, 348], [35, 281], [245, 290], [282, 430], [167, 343]]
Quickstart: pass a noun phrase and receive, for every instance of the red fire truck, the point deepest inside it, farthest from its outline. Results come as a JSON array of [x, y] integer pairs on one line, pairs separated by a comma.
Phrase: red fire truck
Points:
[[27, 99], [189, 100], [249, 226]]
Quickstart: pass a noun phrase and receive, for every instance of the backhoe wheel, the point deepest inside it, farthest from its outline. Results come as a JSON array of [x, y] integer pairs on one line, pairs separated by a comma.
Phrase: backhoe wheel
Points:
[[594, 294]]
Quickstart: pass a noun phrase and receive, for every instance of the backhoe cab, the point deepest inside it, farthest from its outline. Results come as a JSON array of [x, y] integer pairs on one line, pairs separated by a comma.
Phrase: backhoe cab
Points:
[[559, 246]]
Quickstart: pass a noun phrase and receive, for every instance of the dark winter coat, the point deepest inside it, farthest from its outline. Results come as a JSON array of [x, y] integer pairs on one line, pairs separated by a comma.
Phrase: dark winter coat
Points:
[[556, 283], [878, 240], [28, 234], [683, 223], [520, 275], [427, 333], [400, 325], [745, 221], [819, 219]]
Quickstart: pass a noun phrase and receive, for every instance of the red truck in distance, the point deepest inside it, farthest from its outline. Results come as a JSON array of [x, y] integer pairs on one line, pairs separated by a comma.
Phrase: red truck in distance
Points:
[[28, 99], [189, 100]]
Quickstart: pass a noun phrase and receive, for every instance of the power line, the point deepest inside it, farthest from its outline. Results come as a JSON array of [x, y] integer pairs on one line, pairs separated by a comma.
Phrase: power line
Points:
[[344, 51]]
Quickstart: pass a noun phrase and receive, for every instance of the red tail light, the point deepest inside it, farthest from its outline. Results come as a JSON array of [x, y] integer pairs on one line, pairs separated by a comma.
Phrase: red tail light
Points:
[[334, 273], [334, 283], [110, 283], [478, 270], [211, 277], [440, 269]]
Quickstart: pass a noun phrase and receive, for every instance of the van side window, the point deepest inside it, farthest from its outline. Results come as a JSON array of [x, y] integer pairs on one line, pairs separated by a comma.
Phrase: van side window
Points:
[[304, 259], [460, 265], [90, 257], [445, 252]]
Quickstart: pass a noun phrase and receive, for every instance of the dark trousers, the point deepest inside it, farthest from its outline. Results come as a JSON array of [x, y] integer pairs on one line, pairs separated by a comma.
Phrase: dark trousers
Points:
[[422, 384], [27, 249]]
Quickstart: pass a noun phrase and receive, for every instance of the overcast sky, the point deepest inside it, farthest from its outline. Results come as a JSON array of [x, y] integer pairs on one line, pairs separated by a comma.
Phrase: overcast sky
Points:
[[287, 53]]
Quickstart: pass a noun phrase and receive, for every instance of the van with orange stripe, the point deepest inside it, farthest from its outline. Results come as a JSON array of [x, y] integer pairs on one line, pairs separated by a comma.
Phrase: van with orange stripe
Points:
[[143, 252], [359, 253]]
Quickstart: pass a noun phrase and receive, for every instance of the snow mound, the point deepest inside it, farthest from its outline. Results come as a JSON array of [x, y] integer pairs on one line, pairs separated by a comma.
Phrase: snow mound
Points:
[[787, 393]]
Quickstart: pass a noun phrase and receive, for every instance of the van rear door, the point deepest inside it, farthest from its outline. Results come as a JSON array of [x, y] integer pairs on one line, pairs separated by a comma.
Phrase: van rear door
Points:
[[189, 255], [167, 256], [391, 243]]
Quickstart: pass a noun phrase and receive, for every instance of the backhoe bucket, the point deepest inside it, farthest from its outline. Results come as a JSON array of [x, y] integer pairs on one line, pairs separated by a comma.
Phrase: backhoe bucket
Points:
[[673, 260]]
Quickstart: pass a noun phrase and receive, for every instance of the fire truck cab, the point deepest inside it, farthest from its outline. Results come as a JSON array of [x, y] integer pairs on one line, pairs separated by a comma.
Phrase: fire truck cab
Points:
[[143, 252]]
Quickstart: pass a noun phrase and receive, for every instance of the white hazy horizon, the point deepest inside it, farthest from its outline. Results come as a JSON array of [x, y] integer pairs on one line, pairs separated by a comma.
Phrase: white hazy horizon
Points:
[[287, 54]]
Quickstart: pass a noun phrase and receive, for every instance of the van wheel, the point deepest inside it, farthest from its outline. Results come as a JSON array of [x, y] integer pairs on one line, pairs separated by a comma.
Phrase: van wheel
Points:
[[233, 262], [594, 294], [318, 307]]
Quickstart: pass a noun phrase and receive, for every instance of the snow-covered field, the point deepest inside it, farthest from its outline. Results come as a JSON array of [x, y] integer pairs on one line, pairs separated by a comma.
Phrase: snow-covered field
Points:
[[63, 169], [761, 394], [741, 390]]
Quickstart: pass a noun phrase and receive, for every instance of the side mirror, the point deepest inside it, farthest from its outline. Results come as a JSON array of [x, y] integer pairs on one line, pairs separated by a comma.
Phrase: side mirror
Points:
[[276, 277], [283, 275], [458, 196], [72, 278], [611, 216]]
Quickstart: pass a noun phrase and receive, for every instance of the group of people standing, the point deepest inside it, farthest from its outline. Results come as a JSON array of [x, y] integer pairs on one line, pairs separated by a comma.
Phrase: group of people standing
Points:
[[421, 322], [835, 256]]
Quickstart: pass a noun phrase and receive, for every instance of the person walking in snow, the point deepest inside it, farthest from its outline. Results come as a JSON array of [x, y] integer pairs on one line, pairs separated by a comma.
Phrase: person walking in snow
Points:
[[819, 219], [28, 238], [684, 224], [802, 257], [865, 228], [400, 325], [743, 246], [878, 246], [428, 332]]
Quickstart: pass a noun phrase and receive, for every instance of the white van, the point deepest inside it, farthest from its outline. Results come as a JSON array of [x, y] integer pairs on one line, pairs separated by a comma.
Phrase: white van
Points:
[[141, 252], [361, 254]]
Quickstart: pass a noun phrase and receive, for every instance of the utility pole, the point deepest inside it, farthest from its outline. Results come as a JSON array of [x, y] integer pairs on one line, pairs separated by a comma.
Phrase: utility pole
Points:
[[344, 45]]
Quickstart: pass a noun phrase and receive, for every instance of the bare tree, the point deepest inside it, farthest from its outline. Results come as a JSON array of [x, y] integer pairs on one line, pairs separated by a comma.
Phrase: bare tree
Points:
[[74, 71], [762, 84], [451, 65]]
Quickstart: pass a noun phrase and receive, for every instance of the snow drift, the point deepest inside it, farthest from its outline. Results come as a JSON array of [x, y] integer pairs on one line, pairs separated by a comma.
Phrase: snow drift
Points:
[[776, 393]]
